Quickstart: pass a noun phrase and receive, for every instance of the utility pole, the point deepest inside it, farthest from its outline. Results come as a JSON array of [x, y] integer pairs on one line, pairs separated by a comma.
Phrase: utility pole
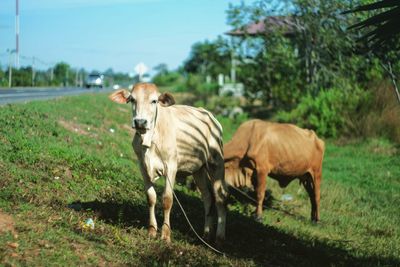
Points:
[[233, 63], [51, 74], [76, 77], [233, 68], [17, 33], [10, 68], [33, 71], [80, 78], [66, 77]]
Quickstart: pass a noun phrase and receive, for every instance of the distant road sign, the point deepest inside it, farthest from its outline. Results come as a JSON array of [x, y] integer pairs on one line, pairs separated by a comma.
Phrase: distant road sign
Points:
[[141, 69]]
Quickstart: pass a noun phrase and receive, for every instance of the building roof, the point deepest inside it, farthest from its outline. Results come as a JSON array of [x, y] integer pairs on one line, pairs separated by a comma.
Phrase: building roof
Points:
[[270, 24]]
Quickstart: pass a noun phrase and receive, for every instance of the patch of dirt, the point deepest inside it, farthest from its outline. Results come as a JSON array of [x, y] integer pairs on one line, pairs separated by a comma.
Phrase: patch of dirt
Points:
[[123, 109], [6, 223], [84, 253], [62, 171], [76, 127]]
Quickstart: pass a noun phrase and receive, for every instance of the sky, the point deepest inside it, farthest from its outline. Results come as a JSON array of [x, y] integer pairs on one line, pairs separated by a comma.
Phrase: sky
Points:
[[117, 34]]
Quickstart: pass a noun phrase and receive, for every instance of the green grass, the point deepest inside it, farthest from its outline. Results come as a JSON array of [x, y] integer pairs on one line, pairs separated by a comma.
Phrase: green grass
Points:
[[98, 178]]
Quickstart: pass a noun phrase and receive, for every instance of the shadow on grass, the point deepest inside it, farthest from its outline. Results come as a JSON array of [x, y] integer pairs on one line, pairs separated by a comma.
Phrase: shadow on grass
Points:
[[125, 214], [246, 238]]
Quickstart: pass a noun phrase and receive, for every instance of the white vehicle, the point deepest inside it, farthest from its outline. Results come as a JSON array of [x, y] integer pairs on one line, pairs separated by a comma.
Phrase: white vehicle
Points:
[[94, 80]]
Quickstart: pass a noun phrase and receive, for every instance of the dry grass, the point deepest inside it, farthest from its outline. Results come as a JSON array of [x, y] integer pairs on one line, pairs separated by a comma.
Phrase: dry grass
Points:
[[6, 223], [381, 116]]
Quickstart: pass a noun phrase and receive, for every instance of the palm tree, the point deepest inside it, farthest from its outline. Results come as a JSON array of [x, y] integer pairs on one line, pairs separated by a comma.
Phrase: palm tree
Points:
[[385, 25]]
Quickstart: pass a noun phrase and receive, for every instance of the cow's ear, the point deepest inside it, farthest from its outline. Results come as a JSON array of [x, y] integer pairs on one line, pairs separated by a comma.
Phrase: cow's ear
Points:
[[120, 96], [166, 100]]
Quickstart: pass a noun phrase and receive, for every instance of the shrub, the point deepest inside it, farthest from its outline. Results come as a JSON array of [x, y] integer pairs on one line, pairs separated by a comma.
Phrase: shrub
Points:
[[329, 113], [230, 125], [167, 79]]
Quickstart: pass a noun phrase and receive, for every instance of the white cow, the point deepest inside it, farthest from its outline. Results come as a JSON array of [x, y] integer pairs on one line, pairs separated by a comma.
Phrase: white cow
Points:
[[177, 140]]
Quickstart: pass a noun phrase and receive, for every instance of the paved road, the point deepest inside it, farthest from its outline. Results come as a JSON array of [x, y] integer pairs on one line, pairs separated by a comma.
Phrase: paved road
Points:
[[14, 95]]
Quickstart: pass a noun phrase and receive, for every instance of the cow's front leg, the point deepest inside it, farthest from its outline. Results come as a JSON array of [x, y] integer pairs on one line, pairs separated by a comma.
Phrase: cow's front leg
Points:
[[151, 200], [167, 204], [260, 190]]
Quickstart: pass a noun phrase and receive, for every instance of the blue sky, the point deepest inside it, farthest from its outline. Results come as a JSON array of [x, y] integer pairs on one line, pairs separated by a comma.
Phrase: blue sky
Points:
[[97, 34]]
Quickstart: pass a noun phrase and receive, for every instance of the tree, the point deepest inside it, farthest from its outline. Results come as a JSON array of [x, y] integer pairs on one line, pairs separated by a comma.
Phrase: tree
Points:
[[61, 73], [161, 69], [384, 26], [165, 77], [383, 36], [209, 58], [3, 79], [318, 55]]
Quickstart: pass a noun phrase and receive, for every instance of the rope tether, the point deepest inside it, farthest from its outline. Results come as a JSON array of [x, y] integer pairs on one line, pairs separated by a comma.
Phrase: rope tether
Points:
[[183, 210]]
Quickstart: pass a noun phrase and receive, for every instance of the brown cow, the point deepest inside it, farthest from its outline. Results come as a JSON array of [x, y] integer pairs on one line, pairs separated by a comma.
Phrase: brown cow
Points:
[[282, 151]]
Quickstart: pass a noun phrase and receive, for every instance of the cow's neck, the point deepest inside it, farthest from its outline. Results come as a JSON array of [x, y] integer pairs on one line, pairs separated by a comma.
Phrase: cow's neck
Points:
[[147, 138]]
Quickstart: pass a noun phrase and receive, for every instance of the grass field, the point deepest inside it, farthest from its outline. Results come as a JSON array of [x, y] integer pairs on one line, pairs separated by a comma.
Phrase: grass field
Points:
[[63, 161]]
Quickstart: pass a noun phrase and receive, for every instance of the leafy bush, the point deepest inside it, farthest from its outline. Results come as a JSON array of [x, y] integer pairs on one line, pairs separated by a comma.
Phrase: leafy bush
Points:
[[166, 79], [196, 84], [329, 113], [219, 103], [230, 125]]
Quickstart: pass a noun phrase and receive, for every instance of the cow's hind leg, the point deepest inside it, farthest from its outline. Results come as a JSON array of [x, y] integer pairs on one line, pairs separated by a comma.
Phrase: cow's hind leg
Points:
[[312, 185], [167, 203], [203, 183]]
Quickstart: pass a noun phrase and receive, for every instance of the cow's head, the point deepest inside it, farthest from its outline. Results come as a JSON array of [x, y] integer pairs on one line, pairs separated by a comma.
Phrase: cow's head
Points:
[[145, 99], [239, 173]]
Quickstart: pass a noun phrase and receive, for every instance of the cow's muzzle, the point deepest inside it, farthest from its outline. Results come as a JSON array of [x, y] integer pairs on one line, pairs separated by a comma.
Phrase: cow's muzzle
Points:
[[140, 124]]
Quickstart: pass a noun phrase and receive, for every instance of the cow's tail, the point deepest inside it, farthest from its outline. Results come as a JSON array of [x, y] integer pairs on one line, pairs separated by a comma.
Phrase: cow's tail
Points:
[[321, 148]]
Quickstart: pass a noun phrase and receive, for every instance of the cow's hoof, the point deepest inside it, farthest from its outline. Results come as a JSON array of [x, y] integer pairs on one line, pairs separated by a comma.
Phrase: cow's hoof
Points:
[[166, 233], [167, 239], [219, 243], [152, 232], [258, 218], [207, 237]]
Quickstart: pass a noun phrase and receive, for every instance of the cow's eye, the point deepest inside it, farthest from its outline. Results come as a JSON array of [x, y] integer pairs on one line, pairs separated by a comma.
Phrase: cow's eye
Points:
[[154, 102]]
